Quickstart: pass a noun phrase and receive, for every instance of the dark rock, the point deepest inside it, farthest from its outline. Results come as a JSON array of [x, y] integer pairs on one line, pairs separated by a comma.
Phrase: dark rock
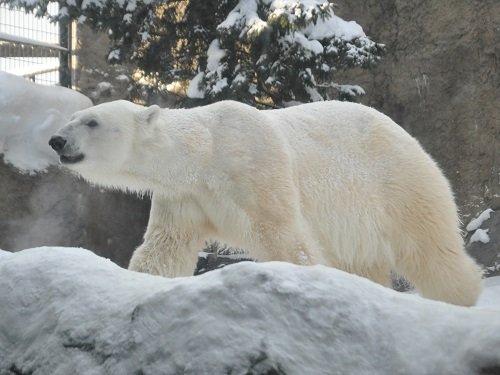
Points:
[[58, 209], [440, 81]]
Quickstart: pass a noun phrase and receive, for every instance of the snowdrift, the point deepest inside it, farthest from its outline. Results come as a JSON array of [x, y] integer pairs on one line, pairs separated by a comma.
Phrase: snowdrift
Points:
[[31, 113], [67, 311]]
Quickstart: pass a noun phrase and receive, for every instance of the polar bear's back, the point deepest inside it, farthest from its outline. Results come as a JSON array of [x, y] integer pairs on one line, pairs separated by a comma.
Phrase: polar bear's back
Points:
[[328, 127], [355, 168], [335, 123], [346, 143], [331, 146]]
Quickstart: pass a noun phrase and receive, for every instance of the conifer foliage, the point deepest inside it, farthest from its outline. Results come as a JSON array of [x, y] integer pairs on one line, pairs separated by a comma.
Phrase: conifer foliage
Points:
[[266, 53]]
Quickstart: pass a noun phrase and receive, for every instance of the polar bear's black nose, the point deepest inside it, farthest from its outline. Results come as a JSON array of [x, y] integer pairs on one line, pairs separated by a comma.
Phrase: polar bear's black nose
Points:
[[57, 143]]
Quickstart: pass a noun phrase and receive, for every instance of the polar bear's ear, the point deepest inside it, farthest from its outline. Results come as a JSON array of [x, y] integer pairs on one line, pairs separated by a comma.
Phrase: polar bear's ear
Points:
[[149, 115]]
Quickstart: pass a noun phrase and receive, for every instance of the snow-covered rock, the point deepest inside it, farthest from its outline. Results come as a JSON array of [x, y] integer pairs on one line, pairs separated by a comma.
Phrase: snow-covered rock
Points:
[[67, 311], [491, 293], [30, 114]]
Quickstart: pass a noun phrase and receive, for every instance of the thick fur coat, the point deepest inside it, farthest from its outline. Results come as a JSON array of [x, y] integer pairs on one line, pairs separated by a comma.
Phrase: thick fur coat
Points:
[[334, 183]]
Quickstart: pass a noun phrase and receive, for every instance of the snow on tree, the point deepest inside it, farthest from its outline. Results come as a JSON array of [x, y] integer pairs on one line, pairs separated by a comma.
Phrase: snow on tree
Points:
[[260, 52]]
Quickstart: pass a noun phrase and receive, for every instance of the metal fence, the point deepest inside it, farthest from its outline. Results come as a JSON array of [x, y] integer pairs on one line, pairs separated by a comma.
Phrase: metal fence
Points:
[[34, 47]]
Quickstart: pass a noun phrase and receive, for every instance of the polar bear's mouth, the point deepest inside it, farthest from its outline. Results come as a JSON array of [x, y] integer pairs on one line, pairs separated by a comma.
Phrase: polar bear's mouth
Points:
[[71, 159]]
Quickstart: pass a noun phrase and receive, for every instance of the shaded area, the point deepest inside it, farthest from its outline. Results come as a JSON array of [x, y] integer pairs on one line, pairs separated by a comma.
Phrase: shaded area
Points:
[[58, 209]]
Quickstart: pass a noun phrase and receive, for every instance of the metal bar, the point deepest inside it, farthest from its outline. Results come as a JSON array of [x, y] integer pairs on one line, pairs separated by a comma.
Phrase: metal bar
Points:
[[32, 71], [64, 59], [18, 50], [30, 42]]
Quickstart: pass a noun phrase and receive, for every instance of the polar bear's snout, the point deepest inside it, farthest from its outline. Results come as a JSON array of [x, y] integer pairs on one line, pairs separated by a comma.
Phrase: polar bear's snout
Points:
[[57, 143], [67, 154]]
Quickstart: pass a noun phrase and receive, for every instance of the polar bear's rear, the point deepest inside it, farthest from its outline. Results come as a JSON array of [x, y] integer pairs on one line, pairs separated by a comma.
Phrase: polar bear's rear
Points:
[[332, 183]]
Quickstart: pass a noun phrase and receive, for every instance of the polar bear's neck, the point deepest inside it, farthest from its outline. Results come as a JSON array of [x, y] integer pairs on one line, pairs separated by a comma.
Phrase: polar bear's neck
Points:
[[171, 156]]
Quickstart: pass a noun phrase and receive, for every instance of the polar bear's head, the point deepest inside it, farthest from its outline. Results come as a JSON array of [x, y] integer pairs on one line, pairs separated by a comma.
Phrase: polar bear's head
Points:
[[99, 139]]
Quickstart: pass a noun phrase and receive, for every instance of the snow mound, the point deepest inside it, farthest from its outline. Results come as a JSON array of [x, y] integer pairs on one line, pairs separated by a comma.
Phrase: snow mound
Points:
[[491, 294], [69, 311], [30, 115]]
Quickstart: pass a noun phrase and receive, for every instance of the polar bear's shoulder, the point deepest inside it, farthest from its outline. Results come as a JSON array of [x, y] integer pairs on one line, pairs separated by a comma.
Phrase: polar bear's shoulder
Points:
[[229, 107], [324, 107]]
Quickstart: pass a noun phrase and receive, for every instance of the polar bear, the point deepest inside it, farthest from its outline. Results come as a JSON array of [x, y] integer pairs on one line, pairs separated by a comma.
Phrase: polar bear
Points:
[[330, 183]]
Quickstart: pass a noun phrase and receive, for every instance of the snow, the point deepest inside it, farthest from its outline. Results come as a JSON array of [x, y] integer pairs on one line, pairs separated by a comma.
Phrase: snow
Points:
[[31, 113], [334, 27], [311, 46], [104, 86], [477, 222], [350, 90], [219, 85], [66, 310], [127, 18], [491, 293], [114, 55], [495, 267], [293, 9], [245, 13], [131, 6], [314, 94], [215, 68], [214, 55], [122, 78], [193, 90], [480, 235]]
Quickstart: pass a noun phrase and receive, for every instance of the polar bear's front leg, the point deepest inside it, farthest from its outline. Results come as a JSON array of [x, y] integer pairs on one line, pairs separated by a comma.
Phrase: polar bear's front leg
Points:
[[166, 252], [176, 232]]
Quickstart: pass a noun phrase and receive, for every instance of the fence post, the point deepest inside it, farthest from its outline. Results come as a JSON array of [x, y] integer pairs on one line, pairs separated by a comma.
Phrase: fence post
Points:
[[65, 57]]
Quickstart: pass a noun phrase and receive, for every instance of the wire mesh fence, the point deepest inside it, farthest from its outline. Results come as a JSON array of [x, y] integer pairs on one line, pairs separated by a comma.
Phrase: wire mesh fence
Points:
[[31, 46]]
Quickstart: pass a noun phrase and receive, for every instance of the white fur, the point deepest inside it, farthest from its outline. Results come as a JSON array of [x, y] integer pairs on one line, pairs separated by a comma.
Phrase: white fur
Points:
[[333, 183]]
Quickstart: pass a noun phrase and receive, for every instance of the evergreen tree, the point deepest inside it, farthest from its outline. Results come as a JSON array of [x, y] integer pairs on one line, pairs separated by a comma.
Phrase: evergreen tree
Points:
[[266, 53]]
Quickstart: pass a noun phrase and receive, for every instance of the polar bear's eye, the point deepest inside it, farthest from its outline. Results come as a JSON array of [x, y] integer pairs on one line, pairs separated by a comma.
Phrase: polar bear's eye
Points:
[[92, 124]]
